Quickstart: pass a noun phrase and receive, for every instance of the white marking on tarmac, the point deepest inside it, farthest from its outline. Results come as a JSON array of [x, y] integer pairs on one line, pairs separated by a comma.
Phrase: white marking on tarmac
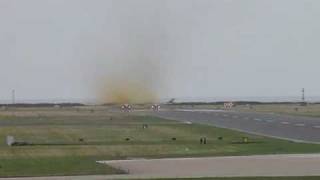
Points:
[[300, 124], [285, 122], [257, 119], [269, 120], [316, 127], [199, 110]]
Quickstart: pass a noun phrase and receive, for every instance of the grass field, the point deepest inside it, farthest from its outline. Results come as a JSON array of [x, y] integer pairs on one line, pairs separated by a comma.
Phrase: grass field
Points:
[[57, 149]]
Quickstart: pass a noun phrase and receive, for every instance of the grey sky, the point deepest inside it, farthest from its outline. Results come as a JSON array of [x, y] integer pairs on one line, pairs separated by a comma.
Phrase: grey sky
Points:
[[65, 49]]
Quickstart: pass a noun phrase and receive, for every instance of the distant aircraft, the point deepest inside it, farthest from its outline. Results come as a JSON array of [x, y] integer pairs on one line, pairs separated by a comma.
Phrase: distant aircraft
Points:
[[126, 108], [155, 107], [171, 101]]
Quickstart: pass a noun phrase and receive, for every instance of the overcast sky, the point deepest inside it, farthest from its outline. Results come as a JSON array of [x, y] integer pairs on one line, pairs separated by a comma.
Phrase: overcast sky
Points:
[[69, 49]]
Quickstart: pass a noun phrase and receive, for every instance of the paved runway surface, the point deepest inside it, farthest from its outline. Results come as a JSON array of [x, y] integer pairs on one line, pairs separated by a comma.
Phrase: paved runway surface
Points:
[[236, 166], [283, 126]]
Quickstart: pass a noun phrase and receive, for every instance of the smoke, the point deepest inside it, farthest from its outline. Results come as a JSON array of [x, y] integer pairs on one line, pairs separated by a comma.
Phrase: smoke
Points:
[[134, 60], [128, 91], [132, 81]]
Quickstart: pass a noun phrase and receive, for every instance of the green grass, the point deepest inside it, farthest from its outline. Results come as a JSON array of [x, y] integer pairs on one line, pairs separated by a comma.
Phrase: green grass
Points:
[[53, 166], [56, 148]]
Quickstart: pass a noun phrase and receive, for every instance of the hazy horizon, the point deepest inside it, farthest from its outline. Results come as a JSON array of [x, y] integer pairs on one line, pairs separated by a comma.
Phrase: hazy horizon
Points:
[[104, 50], [312, 99]]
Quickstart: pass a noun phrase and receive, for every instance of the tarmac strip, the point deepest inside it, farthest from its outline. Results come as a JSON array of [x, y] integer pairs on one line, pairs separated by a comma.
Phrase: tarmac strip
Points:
[[234, 166]]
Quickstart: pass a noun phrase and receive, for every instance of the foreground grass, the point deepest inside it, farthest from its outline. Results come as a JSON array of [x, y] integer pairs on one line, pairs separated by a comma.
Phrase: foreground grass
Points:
[[57, 149], [52, 166]]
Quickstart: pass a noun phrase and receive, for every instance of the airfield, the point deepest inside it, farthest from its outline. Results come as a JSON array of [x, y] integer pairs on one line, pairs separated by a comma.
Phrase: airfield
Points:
[[295, 128], [101, 142]]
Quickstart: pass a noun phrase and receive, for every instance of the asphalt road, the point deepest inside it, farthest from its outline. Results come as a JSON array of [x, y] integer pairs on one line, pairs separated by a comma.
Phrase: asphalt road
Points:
[[294, 128]]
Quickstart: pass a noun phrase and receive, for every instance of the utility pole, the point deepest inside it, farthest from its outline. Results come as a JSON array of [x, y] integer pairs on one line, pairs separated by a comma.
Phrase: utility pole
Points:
[[13, 97], [303, 98]]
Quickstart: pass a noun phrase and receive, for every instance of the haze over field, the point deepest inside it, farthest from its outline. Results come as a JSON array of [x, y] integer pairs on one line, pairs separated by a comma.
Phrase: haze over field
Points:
[[142, 50]]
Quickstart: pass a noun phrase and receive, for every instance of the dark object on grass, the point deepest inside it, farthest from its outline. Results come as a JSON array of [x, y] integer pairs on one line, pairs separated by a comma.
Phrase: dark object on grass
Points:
[[174, 139], [127, 139], [203, 140], [81, 140], [12, 142], [111, 118], [92, 111], [245, 139], [21, 144], [220, 138], [145, 126]]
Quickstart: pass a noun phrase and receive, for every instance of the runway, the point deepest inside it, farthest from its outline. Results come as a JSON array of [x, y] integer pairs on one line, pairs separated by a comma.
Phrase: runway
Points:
[[295, 128]]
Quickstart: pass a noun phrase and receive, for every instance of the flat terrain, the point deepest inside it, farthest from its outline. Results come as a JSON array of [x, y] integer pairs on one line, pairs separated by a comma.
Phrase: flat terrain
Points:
[[111, 177], [288, 166], [69, 141], [297, 128], [238, 166], [312, 110]]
